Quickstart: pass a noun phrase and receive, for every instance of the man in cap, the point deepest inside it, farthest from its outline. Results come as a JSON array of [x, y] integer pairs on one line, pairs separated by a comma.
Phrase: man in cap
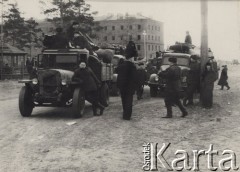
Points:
[[126, 83], [193, 80], [173, 83]]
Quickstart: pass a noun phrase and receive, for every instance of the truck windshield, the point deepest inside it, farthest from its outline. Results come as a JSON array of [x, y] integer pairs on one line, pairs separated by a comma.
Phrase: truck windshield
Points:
[[181, 61], [62, 61]]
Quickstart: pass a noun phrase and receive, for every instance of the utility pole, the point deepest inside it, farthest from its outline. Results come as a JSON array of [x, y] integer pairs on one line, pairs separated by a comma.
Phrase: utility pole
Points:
[[204, 37], [1, 59]]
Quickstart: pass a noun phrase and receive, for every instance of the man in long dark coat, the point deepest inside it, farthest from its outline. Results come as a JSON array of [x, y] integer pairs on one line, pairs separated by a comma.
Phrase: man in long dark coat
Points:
[[90, 84], [193, 80], [126, 82], [173, 84], [207, 85], [223, 78]]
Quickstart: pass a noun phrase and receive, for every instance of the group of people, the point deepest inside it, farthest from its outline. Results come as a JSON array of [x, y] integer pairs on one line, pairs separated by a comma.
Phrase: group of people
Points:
[[72, 38]]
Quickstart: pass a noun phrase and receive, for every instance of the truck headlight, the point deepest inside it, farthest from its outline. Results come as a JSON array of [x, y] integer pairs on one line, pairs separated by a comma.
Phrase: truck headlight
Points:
[[156, 78], [35, 81], [64, 82]]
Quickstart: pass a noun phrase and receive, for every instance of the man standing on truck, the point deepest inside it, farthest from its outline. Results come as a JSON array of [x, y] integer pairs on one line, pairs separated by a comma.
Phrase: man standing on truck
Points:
[[79, 41], [60, 40], [188, 38], [173, 83]]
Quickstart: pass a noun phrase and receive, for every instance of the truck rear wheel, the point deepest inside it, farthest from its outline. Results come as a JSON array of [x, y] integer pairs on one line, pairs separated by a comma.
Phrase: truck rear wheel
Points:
[[104, 95], [78, 103], [25, 103], [153, 91]]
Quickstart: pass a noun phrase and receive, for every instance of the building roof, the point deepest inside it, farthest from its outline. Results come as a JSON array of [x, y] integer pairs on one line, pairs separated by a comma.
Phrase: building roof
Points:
[[8, 49], [120, 17]]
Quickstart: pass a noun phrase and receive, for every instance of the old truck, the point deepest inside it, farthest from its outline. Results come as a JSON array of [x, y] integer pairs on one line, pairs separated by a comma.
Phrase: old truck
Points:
[[51, 82], [156, 83]]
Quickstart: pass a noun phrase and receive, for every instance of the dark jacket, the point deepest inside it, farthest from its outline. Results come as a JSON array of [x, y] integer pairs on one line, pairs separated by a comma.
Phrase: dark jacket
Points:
[[141, 76], [223, 78], [126, 80], [60, 41], [70, 33], [208, 79], [87, 79], [194, 73], [173, 78]]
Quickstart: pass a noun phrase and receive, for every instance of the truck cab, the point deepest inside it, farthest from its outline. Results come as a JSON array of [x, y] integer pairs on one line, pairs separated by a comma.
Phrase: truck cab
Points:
[[51, 83]]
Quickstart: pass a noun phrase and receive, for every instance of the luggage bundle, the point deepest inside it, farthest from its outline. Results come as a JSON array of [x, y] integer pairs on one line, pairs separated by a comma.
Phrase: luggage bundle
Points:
[[105, 55]]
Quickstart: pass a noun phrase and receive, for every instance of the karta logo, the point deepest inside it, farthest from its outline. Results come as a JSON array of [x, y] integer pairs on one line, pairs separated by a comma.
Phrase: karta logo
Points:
[[153, 156]]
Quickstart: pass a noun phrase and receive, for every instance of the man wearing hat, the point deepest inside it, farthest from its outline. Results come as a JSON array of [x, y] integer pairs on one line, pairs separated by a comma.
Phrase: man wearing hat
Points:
[[193, 80], [126, 83], [173, 83]]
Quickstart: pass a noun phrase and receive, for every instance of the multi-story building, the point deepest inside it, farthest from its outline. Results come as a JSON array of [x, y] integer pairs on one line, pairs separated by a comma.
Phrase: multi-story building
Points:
[[145, 32]]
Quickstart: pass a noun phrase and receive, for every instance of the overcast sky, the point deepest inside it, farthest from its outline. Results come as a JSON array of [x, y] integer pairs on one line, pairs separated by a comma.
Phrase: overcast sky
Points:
[[178, 16]]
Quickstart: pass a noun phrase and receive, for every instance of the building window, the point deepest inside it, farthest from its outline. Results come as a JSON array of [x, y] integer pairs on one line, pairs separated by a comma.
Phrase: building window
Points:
[[159, 48], [156, 48], [122, 27], [130, 27], [152, 27], [139, 27], [149, 27], [113, 27], [152, 37], [139, 47], [155, 38], [148, 37], [105, 38], [155, 27], [121, 37], [159, 38], [105, 27], [149, 48], [152, 48], [139, 37], [113, 38]]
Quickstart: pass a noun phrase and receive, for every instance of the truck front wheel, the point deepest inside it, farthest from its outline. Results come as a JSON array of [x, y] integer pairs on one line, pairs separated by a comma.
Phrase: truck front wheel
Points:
[[26, 103], [78, 103]]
